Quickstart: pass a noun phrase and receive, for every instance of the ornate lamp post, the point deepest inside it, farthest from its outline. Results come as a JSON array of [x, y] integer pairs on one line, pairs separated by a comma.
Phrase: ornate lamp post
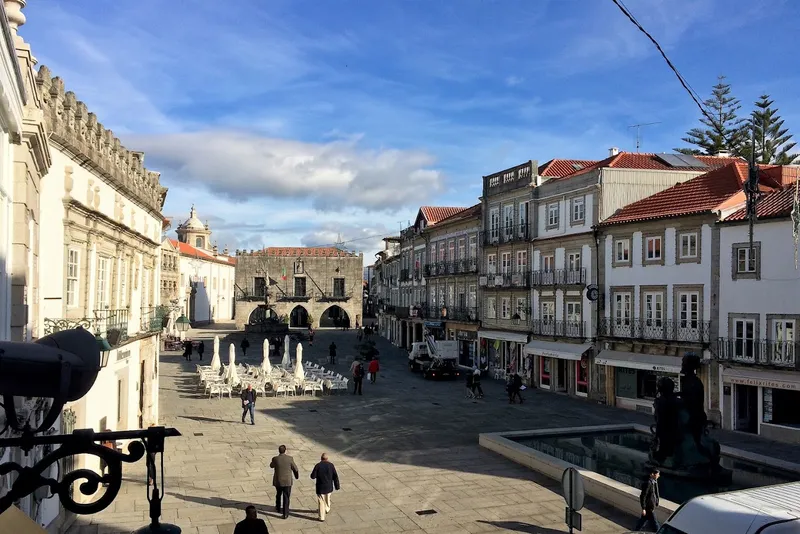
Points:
[[183, 324]]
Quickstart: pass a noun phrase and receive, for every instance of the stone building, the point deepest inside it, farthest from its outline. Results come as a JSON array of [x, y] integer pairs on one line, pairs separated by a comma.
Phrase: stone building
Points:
[[387, 294], [170, 274], [318, 286]]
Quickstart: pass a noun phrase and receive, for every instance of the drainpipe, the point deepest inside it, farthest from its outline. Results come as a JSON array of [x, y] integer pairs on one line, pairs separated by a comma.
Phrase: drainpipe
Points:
[[600, 296]]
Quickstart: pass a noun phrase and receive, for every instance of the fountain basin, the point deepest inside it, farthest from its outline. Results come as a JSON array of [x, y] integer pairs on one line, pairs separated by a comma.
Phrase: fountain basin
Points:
[[613, 458]]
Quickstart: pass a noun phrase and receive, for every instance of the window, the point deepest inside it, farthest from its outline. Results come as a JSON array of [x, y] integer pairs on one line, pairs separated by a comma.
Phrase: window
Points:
[[338, 287], [548, 314], [688, 246], [102, 284], [198, 242], [462, 248], [744, 336], [450, 295], [440, 257], [433, 298], [654, 309], [472, 296], [783, 340], [746, 260], [259, 286], [522, 308], [573, 312], [544, 372], [123, 283], [213, 283], [73, 277], [552, 215], [622, 309], [522, 261], [505, 308], [300, 286], [494, 224], [578, 209], [548, 264], [523, 219], [689, 309], [451, 250], [473, 246], [653, 248], [622, 251], [432, 255], [581, 378], [574, 261], [491, 264], [506, 262], [508, 221], [491, 307], [147, 299]]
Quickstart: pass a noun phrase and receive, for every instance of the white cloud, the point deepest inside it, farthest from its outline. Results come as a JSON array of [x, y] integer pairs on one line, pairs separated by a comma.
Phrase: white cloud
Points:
[[511, 81], [356, 238], [335, 175]]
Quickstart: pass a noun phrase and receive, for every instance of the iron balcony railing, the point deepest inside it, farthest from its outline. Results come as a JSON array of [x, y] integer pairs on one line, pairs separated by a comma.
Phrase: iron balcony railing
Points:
[[258, 293], [762, 352], [112, 324], [293, 297], [417, 274], [462, 313], [520, 279], [559, 277], [448, 268], [653, 329], [335, 297], [405, 275], [506, 234], [553, 328], [153, 318]]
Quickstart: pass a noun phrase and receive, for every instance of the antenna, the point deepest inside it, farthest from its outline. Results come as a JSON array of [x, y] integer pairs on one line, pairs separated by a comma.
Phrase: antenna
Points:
[[339, 242], [638, 128]]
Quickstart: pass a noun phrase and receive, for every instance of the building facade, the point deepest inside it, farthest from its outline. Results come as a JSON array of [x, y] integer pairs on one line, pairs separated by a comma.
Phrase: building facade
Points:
[[387, 274], [758, 374], [100, 229], [303, 286]]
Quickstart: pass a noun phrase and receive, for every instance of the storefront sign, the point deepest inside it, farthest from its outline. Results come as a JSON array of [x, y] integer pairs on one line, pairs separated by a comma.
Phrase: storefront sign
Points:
[[639, 365], [762, 382], [466, 335], [433, 324]]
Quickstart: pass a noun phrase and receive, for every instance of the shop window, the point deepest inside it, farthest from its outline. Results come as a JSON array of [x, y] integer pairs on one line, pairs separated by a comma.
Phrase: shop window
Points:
[[582, 377], [639, 383], [545, 372], [780, 407]]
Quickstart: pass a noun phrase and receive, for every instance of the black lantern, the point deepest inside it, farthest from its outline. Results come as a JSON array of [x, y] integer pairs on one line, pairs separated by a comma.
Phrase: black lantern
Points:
[[105, 349], [183, 323]]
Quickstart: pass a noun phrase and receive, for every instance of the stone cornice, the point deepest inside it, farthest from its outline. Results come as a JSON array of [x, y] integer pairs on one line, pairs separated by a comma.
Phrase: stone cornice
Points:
[[78, 131], [147, 245]]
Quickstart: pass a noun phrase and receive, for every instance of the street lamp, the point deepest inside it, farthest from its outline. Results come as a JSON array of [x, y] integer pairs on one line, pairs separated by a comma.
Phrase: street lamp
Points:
[[183, 323], [105, 349]]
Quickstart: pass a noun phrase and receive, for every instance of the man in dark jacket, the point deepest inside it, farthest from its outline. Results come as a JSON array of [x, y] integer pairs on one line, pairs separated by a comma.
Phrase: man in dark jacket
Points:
[[332, 353], [187, 350], [514, 388], [327, 479], [649, 500], [201, 348], [251, 524], [284, 467], [244, 345], [249, 403]]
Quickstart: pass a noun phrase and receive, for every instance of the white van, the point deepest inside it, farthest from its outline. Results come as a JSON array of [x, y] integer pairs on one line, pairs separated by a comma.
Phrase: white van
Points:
[[766, 510]]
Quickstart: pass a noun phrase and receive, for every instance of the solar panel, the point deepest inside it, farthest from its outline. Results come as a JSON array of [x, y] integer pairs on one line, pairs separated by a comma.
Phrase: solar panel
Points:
[[577, 166], [691, 161], [672, 160], [681, 161]]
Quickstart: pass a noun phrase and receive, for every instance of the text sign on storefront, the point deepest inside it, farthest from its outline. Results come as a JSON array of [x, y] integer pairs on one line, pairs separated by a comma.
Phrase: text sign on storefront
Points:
[[433, 324], [466, 335], [761, 382]]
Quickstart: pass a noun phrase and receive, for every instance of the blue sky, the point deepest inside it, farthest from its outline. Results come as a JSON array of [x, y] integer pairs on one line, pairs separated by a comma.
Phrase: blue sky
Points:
[[289, 122]]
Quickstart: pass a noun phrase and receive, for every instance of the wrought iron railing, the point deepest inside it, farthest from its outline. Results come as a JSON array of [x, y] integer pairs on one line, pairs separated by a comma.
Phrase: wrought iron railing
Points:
[[559, 277], [464, 314], [405, 275], [153, 318], [766, 352], [506, 234], [545, 327], [663, 330], [112, 324], [517, 279]]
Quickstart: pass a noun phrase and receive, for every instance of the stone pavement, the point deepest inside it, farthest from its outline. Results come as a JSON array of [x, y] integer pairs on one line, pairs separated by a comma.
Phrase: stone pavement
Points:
[[405, 446]]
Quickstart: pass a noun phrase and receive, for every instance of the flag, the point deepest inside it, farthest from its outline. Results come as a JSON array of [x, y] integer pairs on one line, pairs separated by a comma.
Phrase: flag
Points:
[[283, 275]]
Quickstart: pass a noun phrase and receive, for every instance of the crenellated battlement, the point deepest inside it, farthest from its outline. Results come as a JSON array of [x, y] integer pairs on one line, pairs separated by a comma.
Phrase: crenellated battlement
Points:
[[73, 126]]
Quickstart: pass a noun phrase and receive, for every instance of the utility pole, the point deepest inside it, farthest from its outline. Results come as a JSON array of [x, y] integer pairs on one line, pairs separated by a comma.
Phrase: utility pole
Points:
[[638, 128]]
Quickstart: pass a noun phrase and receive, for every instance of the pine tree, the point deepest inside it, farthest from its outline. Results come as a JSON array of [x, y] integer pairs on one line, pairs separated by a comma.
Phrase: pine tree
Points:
[[723, 132], [773, 143]]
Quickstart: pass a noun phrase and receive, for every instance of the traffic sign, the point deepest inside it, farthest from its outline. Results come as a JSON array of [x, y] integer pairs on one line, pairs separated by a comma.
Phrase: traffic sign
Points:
[[572, 484]]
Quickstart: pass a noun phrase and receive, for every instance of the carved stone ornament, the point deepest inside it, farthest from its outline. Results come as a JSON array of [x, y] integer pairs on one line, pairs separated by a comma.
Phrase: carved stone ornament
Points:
[[96, 197], [71, 124], [90, 194], [68, 181]]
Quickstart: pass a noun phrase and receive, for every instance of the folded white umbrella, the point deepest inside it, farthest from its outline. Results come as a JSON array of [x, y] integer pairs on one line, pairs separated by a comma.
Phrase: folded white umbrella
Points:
[[233, 376], [286, 360], [299, 374], [215, 363], [265, 365]]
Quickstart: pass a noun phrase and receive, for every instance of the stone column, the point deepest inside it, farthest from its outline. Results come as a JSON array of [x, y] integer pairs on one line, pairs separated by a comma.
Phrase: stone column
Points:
[[31, 163]]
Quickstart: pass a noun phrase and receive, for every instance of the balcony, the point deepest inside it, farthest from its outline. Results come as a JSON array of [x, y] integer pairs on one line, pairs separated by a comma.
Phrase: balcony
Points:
[[649, 329], [463, 314], [417, 274], [405, 275], [761, 352], [513, 233], [335, 297], [293, 297], [573, 329], [511, 280], [559, 277], [251, 293], [113, 324], [153, 318]]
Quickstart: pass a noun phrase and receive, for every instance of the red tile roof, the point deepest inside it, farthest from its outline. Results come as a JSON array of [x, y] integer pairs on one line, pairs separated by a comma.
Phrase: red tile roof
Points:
[[635, 160], [464, 214], [698, 195], [434, 214], [556, 168], [319, 252], [185, 249], [775, 204]]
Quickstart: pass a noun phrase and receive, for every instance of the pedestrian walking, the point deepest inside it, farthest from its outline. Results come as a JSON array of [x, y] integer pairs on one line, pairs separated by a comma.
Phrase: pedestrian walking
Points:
[[514, 389], [357, 370], [284, 467], [373, 368], [244, 345], [310, 336], [327, 480], [249, 403], [470, 390], [359, 335], [332, 353], [201, 348], [649, 500], [477, 391], [251, 524], [187, 350]]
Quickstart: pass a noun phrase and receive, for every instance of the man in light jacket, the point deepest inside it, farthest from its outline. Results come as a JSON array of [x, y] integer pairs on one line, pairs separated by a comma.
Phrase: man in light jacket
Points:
[[284, 467], [327, 479]]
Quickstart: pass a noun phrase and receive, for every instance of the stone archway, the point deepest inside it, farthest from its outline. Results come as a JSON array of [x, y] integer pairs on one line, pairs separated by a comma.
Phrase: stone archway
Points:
[[261, 315], [298, 317], [334, 317]]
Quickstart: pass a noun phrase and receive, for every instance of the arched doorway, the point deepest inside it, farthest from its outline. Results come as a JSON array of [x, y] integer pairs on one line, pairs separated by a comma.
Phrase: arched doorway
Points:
[[298, 318], [261, 315], [334, 317]]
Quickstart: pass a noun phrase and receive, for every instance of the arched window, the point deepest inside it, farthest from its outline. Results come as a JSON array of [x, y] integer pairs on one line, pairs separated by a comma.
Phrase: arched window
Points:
[[198, 242]]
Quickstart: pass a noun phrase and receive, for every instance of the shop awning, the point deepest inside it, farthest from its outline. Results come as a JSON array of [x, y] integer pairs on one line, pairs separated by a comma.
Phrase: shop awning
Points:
[[514, 337], [634, 360], [14, 520], [563, 351], [765, 378]]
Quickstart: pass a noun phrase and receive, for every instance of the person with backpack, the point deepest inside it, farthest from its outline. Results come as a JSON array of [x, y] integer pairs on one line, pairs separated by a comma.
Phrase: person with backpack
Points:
[[358, 376]]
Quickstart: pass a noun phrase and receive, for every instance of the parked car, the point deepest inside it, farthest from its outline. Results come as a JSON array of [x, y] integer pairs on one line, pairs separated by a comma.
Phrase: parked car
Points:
[[441, 369]]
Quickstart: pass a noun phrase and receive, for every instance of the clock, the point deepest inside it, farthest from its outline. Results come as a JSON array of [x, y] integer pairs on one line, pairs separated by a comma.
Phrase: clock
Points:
[[592, 292]]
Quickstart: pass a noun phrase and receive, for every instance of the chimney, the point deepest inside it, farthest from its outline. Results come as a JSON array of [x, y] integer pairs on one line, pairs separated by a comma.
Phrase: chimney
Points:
[[722, 154], [613, 151]]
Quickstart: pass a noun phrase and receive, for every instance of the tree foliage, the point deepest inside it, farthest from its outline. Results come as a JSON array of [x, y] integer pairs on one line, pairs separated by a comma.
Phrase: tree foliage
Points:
[[722, 132], [771, 140]]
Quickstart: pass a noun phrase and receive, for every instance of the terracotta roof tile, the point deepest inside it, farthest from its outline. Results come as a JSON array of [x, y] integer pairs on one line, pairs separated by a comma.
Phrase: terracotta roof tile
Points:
[[185, 249], [434, 214], [466, 213], [698, 195], [636, 160], [556, 168], [319, 252], [775, 204]]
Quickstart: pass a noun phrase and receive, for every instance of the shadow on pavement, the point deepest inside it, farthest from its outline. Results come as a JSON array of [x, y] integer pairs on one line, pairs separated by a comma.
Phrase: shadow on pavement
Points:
[[517, 526]]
